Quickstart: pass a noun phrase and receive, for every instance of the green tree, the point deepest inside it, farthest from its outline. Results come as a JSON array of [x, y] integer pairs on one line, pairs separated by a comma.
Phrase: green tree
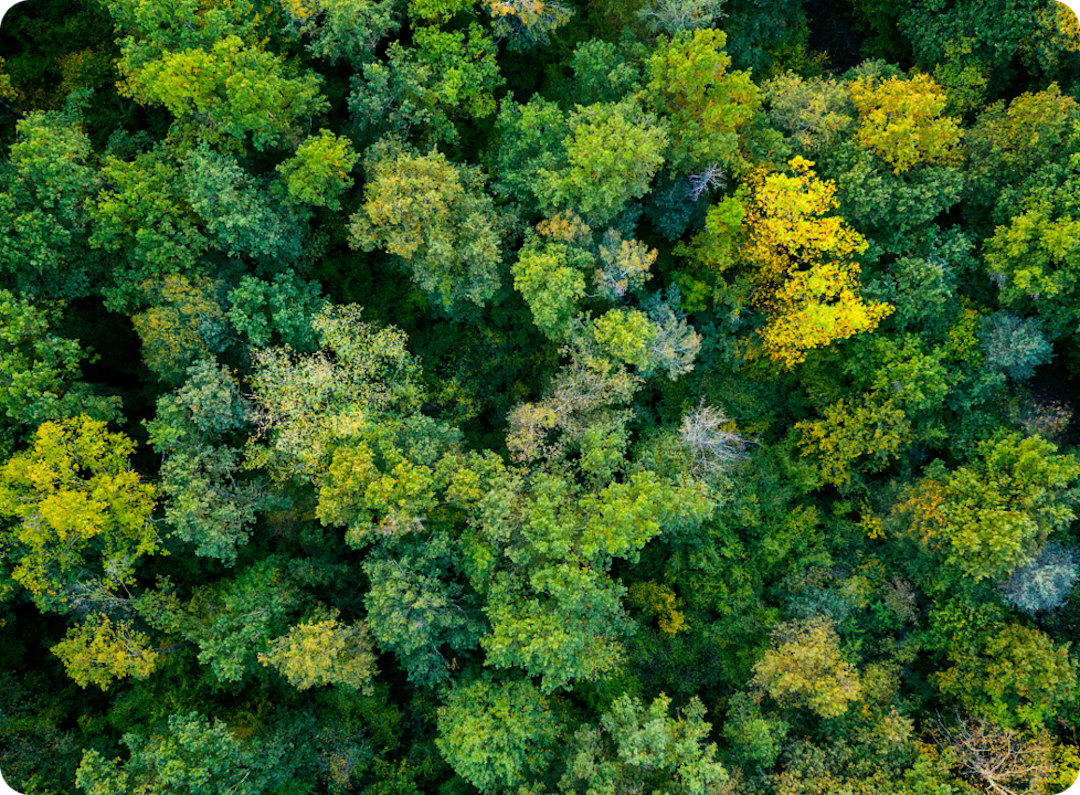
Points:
[[641, 748], [194, 755], [43, 193], [447, 77], [705, 105], [612, 152], [39, 373], [992, 514], [435, 218], [416, 611], [238, 213], [227, 92], [210, 504], [342, 29], [318, 173], [494, 733]]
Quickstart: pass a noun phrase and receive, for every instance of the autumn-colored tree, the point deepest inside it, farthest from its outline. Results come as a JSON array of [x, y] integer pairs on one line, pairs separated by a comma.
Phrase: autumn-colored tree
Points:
[[77, 505], [901, 121], [99, 650], [324, 652], [803, 266]]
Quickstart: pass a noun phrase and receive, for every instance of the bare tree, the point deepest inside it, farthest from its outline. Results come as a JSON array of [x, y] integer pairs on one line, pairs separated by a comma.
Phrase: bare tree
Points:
[[1006, 762], [713, 442]]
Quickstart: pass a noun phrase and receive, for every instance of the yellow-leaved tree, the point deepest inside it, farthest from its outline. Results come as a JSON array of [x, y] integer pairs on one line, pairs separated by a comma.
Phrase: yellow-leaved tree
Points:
[[803, 264]]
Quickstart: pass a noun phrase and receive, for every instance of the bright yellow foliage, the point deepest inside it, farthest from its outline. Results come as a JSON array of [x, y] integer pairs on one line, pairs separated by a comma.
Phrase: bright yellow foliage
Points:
[[902, 122], [75, 497], [804, 270]]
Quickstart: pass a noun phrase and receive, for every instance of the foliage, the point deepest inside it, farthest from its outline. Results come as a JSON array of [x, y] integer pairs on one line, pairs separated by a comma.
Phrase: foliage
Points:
[[196, 755], [324, 652], [434, 217], [637, 747], [805, 668], [227, 92], [495, 732], [99, 650], [900, 120], [689, 85], [991, 515], [1043, 583], [77, 504]]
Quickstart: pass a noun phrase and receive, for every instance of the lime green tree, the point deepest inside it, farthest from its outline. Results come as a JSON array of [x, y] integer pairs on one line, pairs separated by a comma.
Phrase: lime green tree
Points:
[[494, 733]]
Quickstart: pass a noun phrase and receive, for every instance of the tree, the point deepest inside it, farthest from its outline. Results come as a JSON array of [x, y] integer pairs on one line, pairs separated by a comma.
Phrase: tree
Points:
[[99, 650], [1045, 582], [526, 24], [1014, 345], [415, 610], [805, 668], [78, 505], [304, 404], [184, 323], [1004, 761], [280, 311], [143, 216], [493, 733], [238, 212], [437, 221], [639, 748], [194, 755], [705, 105], [802, 264], [900, 120], [870, 431], [209, 504], [324, 651], [336, 29], [43, 219], [39, 372], [446, 77], [226, 92], [612, 151], [1014, 675], [317, 173], [991, 515]]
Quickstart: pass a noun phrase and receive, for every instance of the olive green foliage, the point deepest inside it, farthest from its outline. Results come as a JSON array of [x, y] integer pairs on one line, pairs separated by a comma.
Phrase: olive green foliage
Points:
[[436, 220]]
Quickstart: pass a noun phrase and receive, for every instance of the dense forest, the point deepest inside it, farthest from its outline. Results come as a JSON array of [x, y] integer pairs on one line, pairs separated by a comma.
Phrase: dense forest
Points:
[[539, 396]]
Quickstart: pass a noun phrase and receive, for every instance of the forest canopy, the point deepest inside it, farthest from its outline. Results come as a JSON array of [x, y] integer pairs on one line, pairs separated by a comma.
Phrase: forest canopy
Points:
[[539, 396]]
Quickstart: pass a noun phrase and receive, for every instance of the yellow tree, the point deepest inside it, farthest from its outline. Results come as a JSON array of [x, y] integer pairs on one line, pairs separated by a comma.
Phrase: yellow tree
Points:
[[804, 273], [75, 499], [901, 121]]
